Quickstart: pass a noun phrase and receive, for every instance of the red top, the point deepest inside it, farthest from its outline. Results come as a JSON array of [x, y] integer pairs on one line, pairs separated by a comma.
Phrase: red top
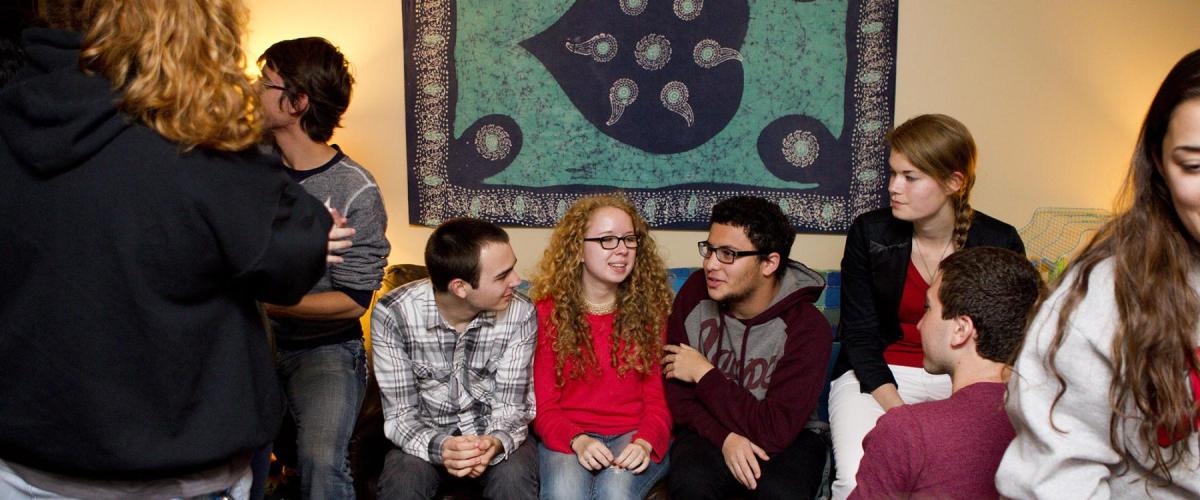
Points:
[[907, 351], [1165, 438], [603, 403]]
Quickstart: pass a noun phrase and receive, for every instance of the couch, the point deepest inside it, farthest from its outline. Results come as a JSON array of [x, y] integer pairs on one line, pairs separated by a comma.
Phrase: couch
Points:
[[369, 445]]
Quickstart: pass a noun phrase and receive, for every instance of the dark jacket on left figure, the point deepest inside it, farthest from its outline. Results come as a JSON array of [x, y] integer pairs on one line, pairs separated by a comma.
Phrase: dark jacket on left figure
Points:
[[131, 345], [878, 249]]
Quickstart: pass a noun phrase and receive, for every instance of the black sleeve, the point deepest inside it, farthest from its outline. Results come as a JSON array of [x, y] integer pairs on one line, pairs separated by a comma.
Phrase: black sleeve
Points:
[[861, 335], [1014, 241], [360, 297], [275, 246]]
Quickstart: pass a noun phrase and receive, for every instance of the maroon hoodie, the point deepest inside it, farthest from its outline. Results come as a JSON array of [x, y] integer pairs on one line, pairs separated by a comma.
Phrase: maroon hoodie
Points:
[[770, 369]]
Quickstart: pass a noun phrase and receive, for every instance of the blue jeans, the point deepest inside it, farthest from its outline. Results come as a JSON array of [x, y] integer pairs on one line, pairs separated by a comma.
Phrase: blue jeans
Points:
[[563, 476], [324, 387]]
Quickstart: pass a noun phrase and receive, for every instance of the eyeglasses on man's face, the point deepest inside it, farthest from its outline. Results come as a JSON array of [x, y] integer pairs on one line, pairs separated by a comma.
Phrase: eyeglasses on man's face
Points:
[[267, 84], [725, 255], [610, 242]]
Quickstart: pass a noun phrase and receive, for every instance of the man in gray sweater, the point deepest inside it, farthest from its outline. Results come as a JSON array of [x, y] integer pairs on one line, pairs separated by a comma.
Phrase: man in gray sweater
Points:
[[305, 88]]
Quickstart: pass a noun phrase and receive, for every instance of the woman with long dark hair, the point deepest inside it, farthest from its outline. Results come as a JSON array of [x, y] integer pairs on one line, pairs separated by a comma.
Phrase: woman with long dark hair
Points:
[[890, 259], [1105, 392]]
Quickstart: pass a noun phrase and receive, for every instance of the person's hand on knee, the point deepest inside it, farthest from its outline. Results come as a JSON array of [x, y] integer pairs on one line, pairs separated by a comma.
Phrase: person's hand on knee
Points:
[[635, 457], [742, 456], [591, 453]]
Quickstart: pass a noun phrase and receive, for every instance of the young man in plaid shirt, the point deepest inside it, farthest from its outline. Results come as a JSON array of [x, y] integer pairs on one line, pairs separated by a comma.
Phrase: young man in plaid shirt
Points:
[[452, 356]]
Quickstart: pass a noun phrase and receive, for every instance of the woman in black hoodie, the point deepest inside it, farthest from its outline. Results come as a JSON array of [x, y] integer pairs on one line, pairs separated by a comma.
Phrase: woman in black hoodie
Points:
[[139, 233]]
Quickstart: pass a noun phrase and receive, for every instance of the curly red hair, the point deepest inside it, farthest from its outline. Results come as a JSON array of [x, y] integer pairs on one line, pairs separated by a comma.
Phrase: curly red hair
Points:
[[643, 299]]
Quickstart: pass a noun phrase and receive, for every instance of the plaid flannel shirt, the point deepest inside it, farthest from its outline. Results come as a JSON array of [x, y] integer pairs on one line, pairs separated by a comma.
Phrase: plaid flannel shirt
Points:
[[436, 382]]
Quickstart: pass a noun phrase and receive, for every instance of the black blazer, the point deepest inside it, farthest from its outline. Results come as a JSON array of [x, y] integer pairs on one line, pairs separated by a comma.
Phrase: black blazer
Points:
[[878, 249]]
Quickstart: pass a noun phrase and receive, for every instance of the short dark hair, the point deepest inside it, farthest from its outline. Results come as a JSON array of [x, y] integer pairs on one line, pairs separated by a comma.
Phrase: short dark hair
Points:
[[315, 68], [997, 289], [764, 222], [453, 250]]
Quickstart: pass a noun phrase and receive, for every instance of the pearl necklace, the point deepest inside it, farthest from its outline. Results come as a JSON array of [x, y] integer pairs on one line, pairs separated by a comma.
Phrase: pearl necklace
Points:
[[600, 309]]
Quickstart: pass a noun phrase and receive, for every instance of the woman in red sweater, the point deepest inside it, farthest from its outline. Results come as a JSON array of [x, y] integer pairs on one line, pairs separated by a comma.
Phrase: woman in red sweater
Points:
[[602, 302]]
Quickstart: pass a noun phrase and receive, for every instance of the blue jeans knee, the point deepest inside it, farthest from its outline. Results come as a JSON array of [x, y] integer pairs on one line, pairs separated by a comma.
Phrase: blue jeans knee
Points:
[[325, 387]]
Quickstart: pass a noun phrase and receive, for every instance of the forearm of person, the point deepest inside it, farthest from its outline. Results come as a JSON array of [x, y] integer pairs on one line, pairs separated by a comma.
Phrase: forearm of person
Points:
[[399, 393], [796, 383], [364, 263], [512, 406], [655, 426], [551, 424], [860, 332], [887, 396], [284, 263], [332, 305]]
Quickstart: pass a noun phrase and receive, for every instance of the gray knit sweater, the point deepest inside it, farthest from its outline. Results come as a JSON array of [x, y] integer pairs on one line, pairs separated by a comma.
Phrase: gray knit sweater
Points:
[[345, 185]]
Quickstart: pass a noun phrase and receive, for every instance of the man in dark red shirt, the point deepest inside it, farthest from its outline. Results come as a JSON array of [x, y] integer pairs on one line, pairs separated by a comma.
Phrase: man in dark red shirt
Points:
[[975, 317]]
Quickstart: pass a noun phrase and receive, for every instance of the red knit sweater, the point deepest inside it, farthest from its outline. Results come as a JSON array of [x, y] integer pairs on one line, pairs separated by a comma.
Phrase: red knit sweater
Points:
[[603, 402]]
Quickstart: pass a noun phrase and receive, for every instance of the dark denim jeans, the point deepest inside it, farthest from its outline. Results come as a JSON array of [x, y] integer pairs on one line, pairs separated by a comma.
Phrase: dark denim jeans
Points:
[[698, 470], [406, 477], [563, 477], [324, 387]]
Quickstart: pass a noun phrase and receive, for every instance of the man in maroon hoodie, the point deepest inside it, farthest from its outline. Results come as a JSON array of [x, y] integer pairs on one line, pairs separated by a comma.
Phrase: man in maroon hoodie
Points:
[[746, 358]]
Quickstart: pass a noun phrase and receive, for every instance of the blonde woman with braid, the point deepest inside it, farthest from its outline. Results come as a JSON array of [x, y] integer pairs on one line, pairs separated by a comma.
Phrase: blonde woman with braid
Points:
[[602, 304], [890, 259], [1105, 394]]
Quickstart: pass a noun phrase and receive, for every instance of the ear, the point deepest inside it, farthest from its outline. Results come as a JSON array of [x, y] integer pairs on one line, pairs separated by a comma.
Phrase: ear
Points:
[[770, 263], [964, 332], [459, 288], [954, 183], [299, 105]]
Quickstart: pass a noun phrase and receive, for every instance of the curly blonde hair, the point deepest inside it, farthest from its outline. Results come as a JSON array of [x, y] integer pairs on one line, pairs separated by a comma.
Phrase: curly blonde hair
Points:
[[643, 299], [178, 66]]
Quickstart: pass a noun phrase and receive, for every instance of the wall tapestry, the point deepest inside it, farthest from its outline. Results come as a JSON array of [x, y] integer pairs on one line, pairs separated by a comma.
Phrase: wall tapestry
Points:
[[517, 107]]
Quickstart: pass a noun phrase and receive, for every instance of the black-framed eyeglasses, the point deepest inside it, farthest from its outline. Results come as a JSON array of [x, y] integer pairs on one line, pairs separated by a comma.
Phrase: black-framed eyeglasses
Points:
[[725, 255], [267, 84], [610, 242]]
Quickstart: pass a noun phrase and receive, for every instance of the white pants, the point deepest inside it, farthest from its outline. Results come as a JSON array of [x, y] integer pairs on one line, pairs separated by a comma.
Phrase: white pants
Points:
[[852, 415]]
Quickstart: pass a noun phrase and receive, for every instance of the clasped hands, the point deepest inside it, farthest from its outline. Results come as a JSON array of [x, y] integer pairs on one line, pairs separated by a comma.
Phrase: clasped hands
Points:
[[593, 455], [469, 456]]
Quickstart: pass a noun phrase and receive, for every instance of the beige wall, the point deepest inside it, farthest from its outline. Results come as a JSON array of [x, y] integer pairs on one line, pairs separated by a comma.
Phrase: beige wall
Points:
[[1053, 90]]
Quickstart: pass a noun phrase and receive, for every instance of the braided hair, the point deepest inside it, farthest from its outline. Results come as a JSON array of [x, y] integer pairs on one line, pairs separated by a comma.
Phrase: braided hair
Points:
[[941, 146]]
